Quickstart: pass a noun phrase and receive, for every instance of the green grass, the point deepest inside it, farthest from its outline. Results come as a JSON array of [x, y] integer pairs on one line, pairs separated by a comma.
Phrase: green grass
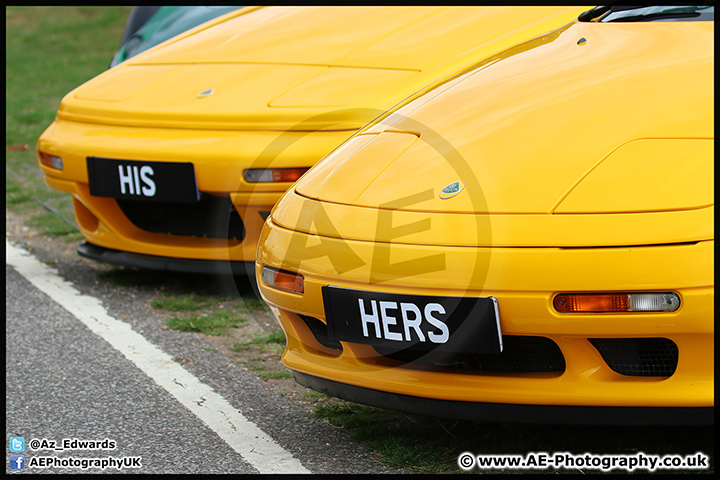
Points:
[[246, 304], [273, 337], [17, 193], [236, 347], [216, 323], [313, 395], [272, 342], [49, 223], [261, 368], [253, 303], [272, 347], [181, 304], [49, 51]]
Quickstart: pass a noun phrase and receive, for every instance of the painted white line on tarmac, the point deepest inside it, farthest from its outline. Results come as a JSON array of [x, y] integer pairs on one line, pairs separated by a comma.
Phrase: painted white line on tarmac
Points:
[[256, 447]]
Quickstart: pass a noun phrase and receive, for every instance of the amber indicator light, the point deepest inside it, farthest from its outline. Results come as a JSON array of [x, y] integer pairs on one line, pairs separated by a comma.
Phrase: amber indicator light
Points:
[[282, 280], [274, 175], [592, 303], [51, 160], [287, 174], [617, 302]]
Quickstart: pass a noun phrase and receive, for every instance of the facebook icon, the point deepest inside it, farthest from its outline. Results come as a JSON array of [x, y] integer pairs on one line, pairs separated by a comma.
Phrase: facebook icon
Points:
[[17, 462]]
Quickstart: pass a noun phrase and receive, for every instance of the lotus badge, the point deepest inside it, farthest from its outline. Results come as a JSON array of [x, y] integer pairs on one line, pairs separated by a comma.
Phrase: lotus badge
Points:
[[452, 190], [206, 93]]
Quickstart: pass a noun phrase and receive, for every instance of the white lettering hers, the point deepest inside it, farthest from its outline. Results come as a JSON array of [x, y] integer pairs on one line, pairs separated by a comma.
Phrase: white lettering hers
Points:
[[431, 308], [387, 320], [413, 323], [411, 318], [137, 181], [365, 318]]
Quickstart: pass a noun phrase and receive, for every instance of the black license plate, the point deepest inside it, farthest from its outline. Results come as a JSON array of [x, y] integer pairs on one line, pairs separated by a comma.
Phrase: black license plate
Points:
[[417, 322], [136, 180]]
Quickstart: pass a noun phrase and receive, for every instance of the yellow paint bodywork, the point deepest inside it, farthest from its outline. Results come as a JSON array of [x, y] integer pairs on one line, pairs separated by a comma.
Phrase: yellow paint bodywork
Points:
[[290, 84], [587, 168]]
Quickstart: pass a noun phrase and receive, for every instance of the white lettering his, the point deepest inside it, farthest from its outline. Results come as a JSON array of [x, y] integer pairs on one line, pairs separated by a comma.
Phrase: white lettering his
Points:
[[126, 180], [149, 188], [137, 181]]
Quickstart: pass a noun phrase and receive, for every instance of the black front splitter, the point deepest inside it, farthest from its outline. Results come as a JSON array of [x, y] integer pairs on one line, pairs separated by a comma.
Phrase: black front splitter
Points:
[[167, 264], [500, 412]]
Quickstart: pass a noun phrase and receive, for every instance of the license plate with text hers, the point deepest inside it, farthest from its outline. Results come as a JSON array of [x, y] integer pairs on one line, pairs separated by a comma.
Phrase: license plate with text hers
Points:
[[418, 322], [137, 180]]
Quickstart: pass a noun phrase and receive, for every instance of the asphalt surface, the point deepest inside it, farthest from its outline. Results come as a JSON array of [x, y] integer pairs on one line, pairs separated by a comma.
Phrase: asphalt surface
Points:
[[64, 381]]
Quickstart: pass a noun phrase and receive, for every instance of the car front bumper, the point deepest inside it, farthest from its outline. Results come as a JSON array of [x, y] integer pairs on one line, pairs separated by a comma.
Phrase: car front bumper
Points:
[[219, 158], [524, 282]]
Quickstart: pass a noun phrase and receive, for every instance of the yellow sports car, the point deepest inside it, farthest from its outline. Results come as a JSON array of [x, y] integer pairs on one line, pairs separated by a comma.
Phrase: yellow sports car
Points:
[[530, 240], [175, 157]]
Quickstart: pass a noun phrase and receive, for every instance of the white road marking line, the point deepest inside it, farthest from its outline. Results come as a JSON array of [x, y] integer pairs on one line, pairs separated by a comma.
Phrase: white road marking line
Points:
[[246, 438]]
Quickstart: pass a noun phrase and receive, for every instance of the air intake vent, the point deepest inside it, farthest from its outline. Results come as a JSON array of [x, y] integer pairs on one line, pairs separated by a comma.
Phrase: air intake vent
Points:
[[319, 330], [520, 354], [211, 217], [638, 357]]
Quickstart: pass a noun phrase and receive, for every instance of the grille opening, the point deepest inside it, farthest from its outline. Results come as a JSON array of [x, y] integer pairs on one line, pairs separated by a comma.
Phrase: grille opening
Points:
[[638, 357], [319, 331], [211, 217], [521, 354]]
